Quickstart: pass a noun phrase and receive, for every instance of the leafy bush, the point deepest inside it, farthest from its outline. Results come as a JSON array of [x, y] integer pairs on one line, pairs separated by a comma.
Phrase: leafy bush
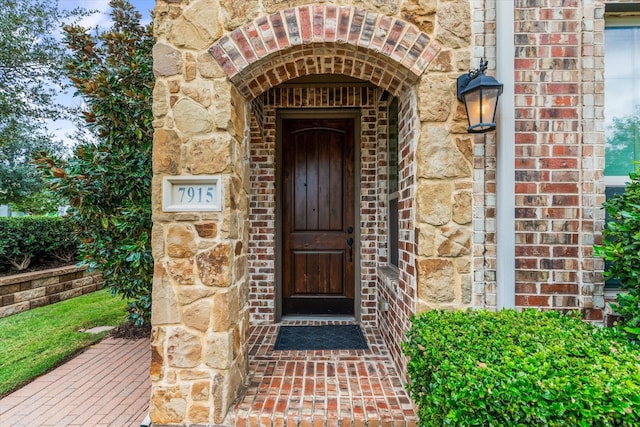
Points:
[[521, 368], [23, 239], [621, 251]]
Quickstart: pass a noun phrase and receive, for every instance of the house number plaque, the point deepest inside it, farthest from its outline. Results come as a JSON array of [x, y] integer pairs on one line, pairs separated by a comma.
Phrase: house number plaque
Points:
[[201, 193]]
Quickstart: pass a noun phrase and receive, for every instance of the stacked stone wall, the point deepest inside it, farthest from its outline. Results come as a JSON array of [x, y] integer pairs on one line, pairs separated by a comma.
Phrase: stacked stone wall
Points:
[[21, 292], [200, 311], [444, 224]]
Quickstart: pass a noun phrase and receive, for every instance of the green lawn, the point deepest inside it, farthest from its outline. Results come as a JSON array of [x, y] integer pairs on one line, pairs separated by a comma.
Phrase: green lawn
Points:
[[33, 342]]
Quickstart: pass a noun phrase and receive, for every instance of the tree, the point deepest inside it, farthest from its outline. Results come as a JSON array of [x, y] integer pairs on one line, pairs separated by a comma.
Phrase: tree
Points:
[[31, 73], [108, 181], [30, 58], [621, 250], [21, 184], [621, 235]]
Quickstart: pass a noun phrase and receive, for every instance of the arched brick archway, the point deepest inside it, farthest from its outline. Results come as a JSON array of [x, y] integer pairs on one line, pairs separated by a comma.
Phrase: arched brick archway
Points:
[[324, 39], [386, 51]]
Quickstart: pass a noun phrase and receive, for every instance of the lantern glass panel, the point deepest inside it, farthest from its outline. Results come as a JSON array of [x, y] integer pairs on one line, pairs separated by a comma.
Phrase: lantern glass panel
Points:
[[472, 104], [481, 108]]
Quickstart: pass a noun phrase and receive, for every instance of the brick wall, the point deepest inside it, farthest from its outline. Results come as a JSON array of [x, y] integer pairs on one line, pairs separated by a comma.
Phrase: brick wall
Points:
[[262, 203], [558, 98], [22, 292], [375, 279], [398, 288], [364, 51]]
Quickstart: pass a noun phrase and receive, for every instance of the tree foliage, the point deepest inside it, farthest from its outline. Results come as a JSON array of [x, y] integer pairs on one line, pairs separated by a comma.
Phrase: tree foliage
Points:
[[621, 235], [31, 74], [108, 181], [21, 184], [30, 58], [623, 144]]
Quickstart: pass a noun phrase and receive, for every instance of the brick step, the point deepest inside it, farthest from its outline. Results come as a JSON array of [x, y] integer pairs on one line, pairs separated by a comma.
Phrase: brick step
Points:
[[321, 419]]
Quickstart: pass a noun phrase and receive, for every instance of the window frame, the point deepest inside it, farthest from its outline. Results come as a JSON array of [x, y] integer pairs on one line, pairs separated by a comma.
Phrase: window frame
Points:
[[617, 22], [615, 183]]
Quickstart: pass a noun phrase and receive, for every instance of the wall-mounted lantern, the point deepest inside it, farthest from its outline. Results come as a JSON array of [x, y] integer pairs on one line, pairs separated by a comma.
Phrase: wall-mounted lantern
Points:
[[480, 94]]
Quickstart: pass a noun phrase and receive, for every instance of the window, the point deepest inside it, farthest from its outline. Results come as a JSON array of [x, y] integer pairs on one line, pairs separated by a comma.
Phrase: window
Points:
[[622, 104], [622, 99], [392, 178]]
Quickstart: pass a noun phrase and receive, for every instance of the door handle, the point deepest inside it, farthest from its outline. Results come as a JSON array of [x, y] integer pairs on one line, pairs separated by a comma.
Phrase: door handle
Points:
[[350, 245]]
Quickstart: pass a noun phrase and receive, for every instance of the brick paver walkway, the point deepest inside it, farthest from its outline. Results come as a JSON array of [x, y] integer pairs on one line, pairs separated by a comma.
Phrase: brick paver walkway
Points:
[[107, 385], [321, 387]]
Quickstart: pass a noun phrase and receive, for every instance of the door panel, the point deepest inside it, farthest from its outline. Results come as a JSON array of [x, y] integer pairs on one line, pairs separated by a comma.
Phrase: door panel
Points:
[[318, 216], [318, 272]]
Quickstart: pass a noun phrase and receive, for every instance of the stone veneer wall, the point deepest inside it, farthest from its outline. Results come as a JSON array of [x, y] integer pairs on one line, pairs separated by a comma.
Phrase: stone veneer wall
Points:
[[200, 313], [21, 292], [413, 49], [214, 57]]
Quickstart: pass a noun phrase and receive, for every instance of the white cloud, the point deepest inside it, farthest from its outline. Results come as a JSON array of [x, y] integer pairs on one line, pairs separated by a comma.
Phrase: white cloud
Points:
[[101, 18]]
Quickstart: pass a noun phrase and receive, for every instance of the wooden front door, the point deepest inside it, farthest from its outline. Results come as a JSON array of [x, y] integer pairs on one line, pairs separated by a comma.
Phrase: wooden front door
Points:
[[318, 229]]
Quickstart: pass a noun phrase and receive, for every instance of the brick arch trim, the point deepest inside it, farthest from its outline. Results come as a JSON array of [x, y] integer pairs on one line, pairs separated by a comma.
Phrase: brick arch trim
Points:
[[324, 39]]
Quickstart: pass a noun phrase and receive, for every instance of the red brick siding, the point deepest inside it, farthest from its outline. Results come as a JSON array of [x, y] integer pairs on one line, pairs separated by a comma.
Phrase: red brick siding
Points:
[[400, 292], [300, 41], [557, 175], [262, 195], [373, 204]]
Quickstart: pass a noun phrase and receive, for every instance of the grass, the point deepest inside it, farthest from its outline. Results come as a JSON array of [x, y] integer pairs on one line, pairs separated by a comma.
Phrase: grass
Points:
[[35, 341]]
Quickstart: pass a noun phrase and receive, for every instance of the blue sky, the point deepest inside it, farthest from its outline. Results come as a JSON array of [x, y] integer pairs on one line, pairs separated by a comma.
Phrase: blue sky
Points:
[[102, 6], [62, 129]]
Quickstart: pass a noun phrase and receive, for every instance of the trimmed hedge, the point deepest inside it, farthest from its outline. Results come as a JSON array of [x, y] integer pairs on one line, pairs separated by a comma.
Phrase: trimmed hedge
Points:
[[23, 239], [480, 368]]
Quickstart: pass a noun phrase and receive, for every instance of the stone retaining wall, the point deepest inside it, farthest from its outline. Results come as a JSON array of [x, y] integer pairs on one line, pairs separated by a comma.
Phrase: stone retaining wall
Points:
[[22, 292]]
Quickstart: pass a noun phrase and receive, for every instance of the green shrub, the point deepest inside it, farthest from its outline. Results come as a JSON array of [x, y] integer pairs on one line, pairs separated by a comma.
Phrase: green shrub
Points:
[[621, 251], [479, 368], [24, 238]]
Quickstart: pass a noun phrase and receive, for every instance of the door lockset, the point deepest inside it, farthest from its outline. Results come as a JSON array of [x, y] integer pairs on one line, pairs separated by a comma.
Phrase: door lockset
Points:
[[350, 245]]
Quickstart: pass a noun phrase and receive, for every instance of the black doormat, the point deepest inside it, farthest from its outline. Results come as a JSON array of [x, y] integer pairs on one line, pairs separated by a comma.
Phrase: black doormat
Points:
[[328, 337]]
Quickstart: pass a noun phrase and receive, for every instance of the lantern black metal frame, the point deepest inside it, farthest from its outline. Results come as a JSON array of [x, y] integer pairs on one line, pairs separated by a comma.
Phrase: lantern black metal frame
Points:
[[487, 90]]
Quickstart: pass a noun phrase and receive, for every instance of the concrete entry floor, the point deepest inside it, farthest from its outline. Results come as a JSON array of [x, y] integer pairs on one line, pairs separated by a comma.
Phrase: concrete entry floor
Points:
[[321, 387]]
